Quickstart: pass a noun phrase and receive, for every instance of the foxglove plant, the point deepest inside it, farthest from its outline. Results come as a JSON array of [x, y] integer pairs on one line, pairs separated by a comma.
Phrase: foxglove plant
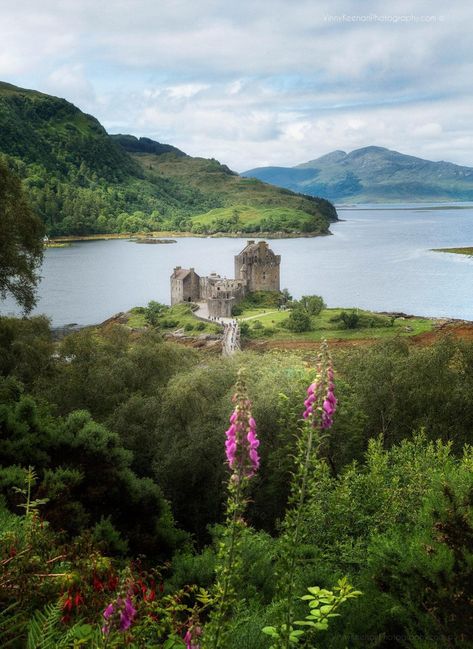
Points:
[[241, 448], [320, 406], [119, 615]]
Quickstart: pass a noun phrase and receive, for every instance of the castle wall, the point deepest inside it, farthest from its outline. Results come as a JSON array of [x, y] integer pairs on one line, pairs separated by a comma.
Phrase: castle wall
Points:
[[192, 287], [220, 307], [185, 286], [177, 291], [256, 269], [260, 266], [207, 284]]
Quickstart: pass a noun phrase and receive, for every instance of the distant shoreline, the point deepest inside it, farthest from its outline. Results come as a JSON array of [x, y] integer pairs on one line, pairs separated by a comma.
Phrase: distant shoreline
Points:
[[217, 235]]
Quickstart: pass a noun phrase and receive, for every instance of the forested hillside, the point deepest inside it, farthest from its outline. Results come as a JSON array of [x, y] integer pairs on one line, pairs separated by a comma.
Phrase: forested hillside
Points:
[[81, 181]]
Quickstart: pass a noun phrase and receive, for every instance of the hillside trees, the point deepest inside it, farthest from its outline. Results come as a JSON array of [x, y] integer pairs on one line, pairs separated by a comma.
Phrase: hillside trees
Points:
[[84, 472], [21, 245]]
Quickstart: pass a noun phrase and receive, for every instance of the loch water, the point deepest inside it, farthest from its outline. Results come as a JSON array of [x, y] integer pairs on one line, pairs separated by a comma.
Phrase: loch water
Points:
[[378, 258]]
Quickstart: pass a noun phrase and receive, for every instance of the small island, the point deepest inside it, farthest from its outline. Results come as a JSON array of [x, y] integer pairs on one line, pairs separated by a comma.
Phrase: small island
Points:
[[152, 240], [467, 250]]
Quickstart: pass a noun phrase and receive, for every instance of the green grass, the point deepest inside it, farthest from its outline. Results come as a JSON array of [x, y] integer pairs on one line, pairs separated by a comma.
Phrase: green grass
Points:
[[324, 326], [136, 318], [181, 313], [253, 215]]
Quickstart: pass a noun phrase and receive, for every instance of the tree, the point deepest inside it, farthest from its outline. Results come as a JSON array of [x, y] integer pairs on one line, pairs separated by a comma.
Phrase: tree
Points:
[[313, 304], [351, 320], [21, 245], [298, 321]]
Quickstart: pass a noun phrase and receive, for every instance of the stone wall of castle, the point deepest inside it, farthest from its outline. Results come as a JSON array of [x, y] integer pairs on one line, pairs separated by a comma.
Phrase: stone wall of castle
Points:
[[256, 269], [185, 286], [259, 266], [220, 307]]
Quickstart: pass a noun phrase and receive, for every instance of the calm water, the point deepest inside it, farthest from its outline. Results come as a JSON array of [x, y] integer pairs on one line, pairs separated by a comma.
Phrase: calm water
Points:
[[377, 259]]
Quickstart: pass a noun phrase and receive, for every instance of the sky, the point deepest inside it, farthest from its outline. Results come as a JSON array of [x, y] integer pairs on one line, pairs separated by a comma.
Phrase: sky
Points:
[[256, 82]]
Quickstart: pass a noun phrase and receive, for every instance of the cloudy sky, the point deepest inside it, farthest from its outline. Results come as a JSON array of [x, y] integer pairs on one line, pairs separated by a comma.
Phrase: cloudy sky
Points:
[[256, 82]]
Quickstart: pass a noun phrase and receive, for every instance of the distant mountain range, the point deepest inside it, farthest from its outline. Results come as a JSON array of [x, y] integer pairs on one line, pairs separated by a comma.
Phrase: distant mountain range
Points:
[[81, 180], [373, 174]]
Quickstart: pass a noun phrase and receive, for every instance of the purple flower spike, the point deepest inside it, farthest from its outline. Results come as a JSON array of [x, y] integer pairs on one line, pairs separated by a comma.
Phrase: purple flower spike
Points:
[[127, 614], [120, 613], [242, 442], [108, 611], [321, 402]]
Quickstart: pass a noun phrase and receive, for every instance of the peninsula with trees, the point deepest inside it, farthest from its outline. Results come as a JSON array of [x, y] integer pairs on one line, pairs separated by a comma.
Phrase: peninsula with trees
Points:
[[82, 181]]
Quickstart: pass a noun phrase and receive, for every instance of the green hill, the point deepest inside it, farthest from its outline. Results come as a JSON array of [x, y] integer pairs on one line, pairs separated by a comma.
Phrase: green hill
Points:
[[373, 174], [83, 181], [241, 204]]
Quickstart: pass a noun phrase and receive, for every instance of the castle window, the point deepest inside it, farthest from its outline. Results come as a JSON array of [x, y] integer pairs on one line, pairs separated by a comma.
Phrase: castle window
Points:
[[264, 275]]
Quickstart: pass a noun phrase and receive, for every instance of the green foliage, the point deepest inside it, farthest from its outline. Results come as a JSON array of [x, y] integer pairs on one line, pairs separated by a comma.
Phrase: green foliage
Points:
[[313, 304], [350, 319], [323, 605], [256, 299], [428, 570], [21, 242], [25, 349], [10, 625], [153, 311], [112, 420], [82, 181], [256, 218], [394, 389], [46, 631], [298, 320], [85, 473]]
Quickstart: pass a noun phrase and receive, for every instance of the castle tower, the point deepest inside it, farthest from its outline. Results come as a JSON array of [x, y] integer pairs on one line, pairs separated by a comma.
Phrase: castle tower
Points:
[[185, 285], [259, 266]]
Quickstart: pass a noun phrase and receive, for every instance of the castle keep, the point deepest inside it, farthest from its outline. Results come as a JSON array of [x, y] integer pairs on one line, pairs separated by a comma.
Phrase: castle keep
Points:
[[256, 269]]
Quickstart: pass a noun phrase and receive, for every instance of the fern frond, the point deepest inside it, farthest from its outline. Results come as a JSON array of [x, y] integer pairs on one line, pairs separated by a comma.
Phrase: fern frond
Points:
[[43, 628], [11, 625]]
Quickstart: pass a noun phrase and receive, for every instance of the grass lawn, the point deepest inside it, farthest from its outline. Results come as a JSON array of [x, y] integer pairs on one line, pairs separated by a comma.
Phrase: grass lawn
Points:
[[324, 326], [179, 316], [253, 215], [374, 325]]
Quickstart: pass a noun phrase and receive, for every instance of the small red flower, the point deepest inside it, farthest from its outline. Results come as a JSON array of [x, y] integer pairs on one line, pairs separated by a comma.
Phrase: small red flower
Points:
[[67, 606], [151, 596], [97, 584]]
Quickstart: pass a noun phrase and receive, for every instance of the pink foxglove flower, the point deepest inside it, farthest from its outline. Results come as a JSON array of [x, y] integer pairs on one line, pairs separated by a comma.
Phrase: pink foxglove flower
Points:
[[119, 614], [321, 402], [242, 443], [191, 637]]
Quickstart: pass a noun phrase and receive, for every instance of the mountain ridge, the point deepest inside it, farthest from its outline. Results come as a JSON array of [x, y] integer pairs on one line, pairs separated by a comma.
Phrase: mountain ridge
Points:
[[81, 180], [373, 174]]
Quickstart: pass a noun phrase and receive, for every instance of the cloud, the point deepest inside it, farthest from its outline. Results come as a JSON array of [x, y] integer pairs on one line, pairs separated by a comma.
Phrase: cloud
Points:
[[255, 83], [70, 81]]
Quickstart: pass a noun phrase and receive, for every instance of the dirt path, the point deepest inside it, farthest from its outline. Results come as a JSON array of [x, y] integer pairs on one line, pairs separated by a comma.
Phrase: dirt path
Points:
[[459, 330]]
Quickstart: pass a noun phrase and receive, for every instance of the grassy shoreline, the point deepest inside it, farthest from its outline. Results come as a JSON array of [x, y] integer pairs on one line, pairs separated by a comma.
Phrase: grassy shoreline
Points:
[[467, 250], [169, 233], [326, 325]]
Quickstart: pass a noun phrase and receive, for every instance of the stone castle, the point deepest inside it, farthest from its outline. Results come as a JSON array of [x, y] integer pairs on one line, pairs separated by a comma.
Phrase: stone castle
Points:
[[256, 269]]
